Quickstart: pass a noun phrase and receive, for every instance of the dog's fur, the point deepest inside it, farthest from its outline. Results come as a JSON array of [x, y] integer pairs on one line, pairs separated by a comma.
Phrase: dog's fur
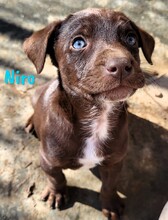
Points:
[[80, 117]]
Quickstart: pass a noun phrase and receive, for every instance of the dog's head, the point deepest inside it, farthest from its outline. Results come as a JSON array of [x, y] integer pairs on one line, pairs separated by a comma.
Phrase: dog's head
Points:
[[96, 52]]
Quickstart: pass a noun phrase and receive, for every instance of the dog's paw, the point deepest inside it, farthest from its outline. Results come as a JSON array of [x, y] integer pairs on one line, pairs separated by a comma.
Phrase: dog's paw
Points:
[[113, 208], [55, 199]]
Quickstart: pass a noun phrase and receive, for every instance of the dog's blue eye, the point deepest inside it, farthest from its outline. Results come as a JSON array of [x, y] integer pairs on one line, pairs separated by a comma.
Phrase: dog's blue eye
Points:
[[79, 43], [131, 39]]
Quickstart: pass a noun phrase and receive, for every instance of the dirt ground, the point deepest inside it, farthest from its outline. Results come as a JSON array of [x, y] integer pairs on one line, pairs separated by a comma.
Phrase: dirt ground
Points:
[[144, 179]]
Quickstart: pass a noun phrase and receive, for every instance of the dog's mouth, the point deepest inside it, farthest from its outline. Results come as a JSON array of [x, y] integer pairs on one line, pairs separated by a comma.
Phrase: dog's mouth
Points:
[[121, 91], [117, 94], [112, 90]]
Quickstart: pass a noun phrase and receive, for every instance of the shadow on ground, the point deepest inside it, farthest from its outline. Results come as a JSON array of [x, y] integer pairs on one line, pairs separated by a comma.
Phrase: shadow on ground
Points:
[[14, 31]]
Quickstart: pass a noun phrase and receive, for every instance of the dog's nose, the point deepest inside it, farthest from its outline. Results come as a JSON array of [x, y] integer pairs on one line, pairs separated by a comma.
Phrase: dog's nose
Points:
[[120, 67]]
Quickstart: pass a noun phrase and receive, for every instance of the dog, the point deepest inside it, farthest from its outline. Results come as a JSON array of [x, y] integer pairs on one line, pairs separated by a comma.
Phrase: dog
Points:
[[80, 117]]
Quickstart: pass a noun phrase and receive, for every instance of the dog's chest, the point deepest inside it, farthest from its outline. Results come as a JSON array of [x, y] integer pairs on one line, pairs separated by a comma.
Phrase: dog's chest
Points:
[[99, 132]]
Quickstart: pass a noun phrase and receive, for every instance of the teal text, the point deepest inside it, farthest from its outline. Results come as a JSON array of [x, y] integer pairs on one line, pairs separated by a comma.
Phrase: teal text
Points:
[[14, 77]]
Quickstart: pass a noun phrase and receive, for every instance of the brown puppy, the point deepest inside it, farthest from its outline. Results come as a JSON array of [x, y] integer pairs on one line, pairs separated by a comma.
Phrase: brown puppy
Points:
[[80, 117]]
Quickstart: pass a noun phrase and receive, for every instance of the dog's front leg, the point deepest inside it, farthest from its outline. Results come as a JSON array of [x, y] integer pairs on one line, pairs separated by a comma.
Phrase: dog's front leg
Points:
[[112, 206], [55, 191]]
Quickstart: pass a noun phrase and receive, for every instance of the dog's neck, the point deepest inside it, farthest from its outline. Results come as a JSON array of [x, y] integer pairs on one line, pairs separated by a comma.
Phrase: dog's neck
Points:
[[85, 104], [84, 109]]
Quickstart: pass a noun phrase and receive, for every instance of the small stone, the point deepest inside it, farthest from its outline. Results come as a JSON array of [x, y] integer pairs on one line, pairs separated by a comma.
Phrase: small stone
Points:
[[159, 95]]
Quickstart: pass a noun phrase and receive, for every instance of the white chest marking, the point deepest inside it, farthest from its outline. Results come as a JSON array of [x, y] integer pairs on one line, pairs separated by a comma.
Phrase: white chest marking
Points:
[[99, 133]]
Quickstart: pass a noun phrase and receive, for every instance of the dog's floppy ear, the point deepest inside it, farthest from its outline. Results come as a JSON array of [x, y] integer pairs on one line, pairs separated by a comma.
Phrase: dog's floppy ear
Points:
[[147, 43], [37, 45]]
